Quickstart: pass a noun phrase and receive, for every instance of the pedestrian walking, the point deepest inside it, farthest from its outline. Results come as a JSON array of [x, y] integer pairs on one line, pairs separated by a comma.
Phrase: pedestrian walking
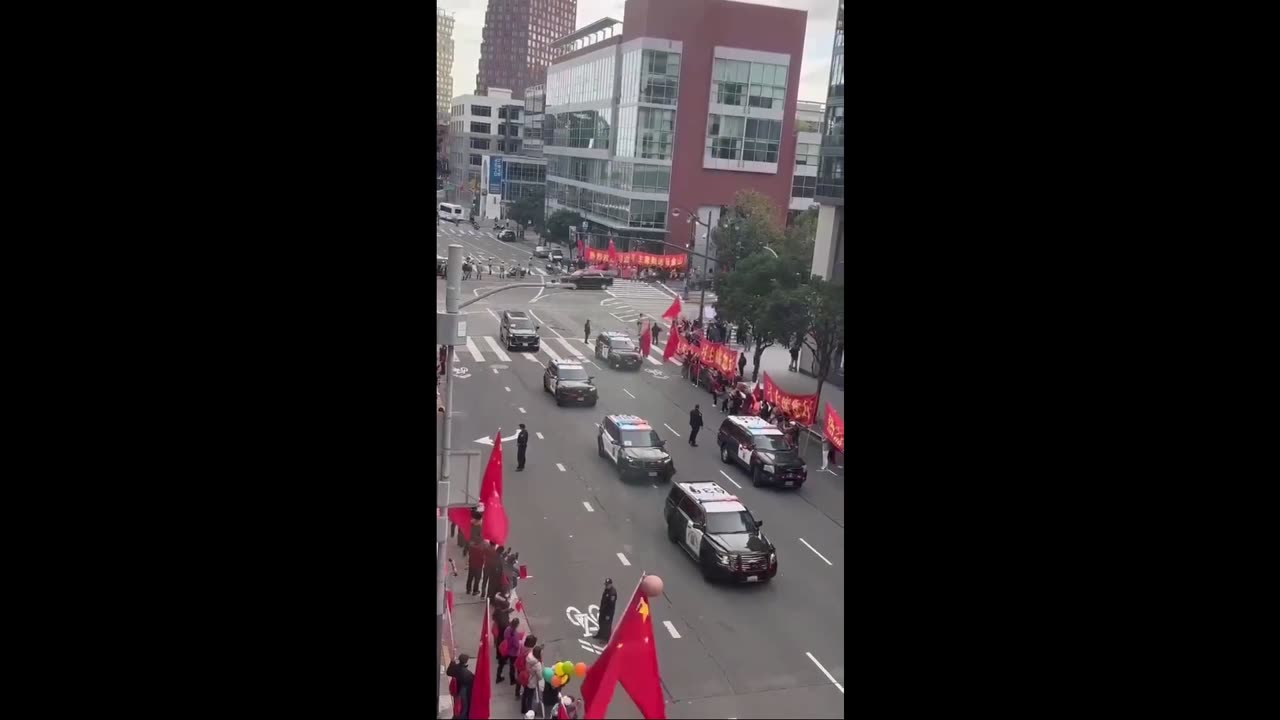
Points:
[[795, 357], [510, 641], [529, 699], [586, 332], [742, 364], [494, 567], [827, 452], [475, 568], [695, 424], [465, 680], [522, 443], [608, 601], [523, 651]]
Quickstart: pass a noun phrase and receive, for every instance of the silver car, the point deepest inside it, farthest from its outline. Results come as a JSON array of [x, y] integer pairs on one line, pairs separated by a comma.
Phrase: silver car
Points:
[[541, 251]]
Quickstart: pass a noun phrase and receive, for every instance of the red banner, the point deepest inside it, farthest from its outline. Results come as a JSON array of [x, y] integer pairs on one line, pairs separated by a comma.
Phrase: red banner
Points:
[[833, 428], [596, 256], [803, 408], [719, 357]]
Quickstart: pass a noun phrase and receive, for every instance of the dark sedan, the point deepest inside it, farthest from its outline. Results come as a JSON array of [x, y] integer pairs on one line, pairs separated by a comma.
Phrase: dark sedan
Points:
[[589, 280]]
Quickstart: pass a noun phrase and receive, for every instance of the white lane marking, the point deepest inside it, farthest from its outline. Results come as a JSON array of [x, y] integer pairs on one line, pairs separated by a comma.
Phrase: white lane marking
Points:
[[474, 350], [673, 430], [588, 506], [540, 291], [540, 272], [522, 412], [535, 317], [493, 345], [504, 387], [735, 482], [633, 397], [650, 359], [540, 436], [560, 467], [531, 357], [824, 672], [671, 629], [624, 559], [494, 314], [572, 349], [495, 371], [833, 472], [815, 552], [546, 348]]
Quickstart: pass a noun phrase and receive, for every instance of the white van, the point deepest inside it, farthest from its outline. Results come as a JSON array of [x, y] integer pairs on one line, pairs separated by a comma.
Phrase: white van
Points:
[[452, 213]]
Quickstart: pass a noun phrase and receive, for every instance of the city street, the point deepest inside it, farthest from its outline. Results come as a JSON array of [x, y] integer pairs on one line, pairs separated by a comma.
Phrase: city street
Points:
[[768, 650]]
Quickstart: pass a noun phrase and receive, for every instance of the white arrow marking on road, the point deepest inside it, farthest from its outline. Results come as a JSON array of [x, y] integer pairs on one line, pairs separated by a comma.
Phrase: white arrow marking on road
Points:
[[633, 397], [561, 467], [504, 387], [489, 440], [671, 629], [673, 430], [522, 412], [624, 559], [735, 482], [815, 552], [588, 506], [824, 671], [540, 436], [493, 345], [495, 371]]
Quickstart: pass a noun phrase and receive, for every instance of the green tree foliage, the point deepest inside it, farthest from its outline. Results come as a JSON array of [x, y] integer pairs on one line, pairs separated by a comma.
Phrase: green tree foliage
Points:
[[798, 239], [750, 225], [823, 307], [764, 297], [528, 211], [560, 226]]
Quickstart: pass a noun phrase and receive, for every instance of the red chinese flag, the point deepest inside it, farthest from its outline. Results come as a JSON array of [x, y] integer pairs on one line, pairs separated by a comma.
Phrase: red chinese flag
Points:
[[672, 312], [632, 659], [646, 341], [833, 428], [613, 253], [673, 344], [495, 524], [581, 252], [481, 692]]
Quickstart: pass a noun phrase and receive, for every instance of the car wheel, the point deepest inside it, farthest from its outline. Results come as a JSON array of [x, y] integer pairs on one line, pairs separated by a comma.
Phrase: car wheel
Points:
[[724, 454], [755, 476], [600, 447], [558, 403], [706, 572], [593, 403]]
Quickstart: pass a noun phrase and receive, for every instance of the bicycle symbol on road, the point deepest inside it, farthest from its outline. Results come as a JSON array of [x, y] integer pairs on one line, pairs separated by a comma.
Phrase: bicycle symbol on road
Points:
[[461, 372], [589, 621], [657, 374]]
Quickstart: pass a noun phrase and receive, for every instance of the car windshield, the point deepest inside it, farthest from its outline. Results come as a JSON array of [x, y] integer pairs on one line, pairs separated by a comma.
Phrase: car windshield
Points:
[[776, 443], [730, 522], [521, 324], [640, 438], [572, 374], [621, 343]]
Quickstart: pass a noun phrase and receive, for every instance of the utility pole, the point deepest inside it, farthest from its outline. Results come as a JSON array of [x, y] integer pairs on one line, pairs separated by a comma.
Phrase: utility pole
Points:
[[449, 329]]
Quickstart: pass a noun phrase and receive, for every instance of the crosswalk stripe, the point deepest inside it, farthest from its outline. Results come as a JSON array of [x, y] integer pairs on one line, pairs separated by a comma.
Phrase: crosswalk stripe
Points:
[[493, 344], [530, 357], [474, 350], [650, 359], [571, 348], [551, 353]]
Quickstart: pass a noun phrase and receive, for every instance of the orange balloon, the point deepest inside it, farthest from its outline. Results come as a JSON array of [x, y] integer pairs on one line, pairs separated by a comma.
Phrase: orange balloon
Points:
[[580, 669]]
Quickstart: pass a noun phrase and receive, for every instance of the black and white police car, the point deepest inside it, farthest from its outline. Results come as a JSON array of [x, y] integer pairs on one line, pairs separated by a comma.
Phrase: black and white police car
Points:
[[569, 382], [718, 531], [618, 349], [761, 448], [634, 447]]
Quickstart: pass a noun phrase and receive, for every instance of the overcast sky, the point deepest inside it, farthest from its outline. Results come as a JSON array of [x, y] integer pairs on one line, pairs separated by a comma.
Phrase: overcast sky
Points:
[[819, 35]]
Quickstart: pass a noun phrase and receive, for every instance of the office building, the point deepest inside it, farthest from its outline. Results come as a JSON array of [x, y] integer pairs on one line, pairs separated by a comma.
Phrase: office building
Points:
[[535, 103], [828, 251], [804, 178], [509, 178], [444, 65], [480, 125], [515, 42], [670, 113]]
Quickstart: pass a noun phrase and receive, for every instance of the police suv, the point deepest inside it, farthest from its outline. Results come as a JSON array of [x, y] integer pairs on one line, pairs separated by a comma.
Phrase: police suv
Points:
[[718, 531], [634, 447], [568, 382], [761, 448], [618, 350]]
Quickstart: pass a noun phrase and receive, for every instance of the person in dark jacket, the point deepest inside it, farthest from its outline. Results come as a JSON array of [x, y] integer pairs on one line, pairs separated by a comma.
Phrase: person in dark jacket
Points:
[[742, 363], [550, 700], [695, 424], [656, 330], [522, 442], [586, 332], [475, 567], [608, 601], [493, 567], [795, 357], [466, 679], [512, 569]]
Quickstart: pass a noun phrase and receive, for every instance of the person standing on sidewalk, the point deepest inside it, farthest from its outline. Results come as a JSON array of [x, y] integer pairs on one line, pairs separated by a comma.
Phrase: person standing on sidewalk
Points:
[[493, 572], [586, 332], [795, 357], [475, 567], [529, 699], [608, 601], [742, 364], [522, 443], [522, 664], [466, 680], [826, 451], [513, 569]]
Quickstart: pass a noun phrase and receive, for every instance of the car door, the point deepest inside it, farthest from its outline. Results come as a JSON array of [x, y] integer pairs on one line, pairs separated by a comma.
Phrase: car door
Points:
[[605, 348], [744, 449], [612, 441], [694, 516], [551, 378]]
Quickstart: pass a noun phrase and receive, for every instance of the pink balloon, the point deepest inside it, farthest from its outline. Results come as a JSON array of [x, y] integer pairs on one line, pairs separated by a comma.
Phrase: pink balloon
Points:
[[651, 586]]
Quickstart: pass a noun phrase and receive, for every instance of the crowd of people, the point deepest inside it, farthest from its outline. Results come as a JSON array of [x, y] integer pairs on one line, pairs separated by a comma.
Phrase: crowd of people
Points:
[[474, 268]]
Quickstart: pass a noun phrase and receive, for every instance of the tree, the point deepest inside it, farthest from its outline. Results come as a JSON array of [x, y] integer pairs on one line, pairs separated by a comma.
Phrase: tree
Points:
[[560, 225], [799, 238], [750, 225], [823, 303], [528, 211], [763, 296]]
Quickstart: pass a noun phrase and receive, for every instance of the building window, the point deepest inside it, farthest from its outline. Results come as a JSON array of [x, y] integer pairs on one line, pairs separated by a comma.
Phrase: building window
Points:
[[475, 160], [480, 144], [650, 178], [731, 80], [835, 120], [656, 133], [648, 214], [813, 126], [725, 133], [481, 127], [762, 140], [480, 110], [768, 86], [660, 79], [803, 187], [587, 129], [831, 177], [807, 154]]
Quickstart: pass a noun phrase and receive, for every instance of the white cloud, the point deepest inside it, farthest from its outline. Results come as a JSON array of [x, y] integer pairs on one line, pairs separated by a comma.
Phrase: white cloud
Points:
[[814, 69]]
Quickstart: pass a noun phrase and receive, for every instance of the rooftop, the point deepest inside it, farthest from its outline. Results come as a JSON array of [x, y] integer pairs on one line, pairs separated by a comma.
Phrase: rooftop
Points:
[[586, 36]]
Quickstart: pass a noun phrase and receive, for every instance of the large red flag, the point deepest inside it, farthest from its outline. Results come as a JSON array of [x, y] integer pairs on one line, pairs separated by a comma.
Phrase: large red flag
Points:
[[646, 340], [481, 692], [632, 659], [495, 516], [672, 312], [673, 344], [833, 428]]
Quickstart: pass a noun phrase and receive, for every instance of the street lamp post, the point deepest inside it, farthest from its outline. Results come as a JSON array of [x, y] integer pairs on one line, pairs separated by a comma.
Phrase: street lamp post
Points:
[[702, 301]]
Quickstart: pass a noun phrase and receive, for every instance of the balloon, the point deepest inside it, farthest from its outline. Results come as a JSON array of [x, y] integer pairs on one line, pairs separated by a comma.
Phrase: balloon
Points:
[[580, 669], [651, 585], [558, 668], [547, 674]]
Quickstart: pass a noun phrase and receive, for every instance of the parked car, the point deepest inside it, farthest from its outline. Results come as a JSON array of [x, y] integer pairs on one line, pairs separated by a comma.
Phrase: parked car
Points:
[[507, 234], [556, 255], [541, 251]]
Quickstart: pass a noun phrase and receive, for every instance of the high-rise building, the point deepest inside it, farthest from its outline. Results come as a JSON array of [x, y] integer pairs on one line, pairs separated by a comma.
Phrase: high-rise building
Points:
[[804, 178], [444, 65], [515, 46], [480, 125], [671, 115], [828, 248]]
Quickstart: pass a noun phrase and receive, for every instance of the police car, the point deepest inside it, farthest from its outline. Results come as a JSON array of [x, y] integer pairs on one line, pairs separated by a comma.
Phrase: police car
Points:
[[618, 349], [634, 447], [761, 448], [569, 382], [718, 531]]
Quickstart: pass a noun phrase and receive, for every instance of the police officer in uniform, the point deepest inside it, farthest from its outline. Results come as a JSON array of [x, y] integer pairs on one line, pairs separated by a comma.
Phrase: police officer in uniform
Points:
[[607, 602], [522, 442]]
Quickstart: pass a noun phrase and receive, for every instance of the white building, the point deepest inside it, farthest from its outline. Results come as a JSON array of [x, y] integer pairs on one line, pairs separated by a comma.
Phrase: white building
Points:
[[480, 125], [804, 180]]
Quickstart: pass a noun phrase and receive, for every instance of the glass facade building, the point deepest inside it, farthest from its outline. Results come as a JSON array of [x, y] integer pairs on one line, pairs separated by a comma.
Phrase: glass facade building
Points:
[[830, 189]]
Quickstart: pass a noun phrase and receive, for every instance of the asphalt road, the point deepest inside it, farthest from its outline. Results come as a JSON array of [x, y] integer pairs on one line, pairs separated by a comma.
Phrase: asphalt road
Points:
[[742, 651]]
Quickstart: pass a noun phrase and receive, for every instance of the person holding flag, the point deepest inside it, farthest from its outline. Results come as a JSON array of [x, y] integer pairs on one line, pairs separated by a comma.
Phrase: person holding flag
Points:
[[631, 658], [646, 341]]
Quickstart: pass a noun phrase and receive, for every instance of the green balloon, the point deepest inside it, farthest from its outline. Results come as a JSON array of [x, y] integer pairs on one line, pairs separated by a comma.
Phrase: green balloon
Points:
[[548, 673]]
